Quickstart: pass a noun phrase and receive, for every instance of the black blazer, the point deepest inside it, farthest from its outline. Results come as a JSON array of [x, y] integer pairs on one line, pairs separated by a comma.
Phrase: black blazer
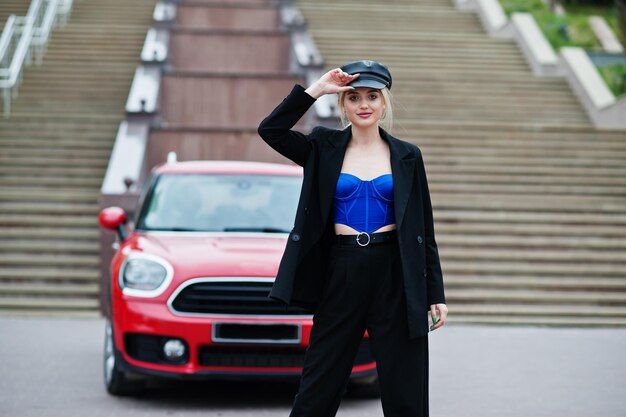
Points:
[[301, 274]]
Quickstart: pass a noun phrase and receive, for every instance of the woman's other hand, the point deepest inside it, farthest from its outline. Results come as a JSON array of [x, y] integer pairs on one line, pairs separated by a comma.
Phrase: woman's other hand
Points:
[[334, 81], [441, 317]]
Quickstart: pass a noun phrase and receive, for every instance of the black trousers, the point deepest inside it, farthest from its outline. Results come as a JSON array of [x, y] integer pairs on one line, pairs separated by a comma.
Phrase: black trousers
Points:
[[364, 290]]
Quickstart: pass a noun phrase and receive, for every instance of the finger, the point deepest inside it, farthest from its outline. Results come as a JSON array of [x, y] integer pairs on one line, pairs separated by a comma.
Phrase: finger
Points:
[[350, 77], [443, 314], [346, 88], [433, 311], [337, 73], [433, 317]]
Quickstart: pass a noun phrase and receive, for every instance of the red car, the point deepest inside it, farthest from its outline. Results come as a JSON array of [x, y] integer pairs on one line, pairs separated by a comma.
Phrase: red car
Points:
[[188, 289]]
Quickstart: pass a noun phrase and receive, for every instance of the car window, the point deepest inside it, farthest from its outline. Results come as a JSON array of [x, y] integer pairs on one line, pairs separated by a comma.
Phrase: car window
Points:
[[210, 202]]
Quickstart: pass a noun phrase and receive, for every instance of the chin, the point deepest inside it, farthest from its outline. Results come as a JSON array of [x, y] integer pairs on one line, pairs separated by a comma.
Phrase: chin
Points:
[[364, 124]]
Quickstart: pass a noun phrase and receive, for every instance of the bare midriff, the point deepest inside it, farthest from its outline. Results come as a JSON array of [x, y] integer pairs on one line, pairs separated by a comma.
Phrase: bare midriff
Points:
[[342, 229]]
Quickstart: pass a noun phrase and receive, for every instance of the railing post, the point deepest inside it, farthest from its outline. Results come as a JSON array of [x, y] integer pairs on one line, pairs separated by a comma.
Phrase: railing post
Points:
[[6, 94]]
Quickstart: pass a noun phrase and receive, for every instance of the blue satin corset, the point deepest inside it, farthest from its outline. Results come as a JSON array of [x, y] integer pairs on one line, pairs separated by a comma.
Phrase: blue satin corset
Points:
[[365, 206]]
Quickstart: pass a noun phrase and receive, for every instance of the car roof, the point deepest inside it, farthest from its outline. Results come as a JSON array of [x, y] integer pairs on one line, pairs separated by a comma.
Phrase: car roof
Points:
[[228, 167]]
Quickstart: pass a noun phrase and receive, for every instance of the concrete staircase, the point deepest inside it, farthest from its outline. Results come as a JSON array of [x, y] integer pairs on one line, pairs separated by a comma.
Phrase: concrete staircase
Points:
[[529, 198], [54, 150]]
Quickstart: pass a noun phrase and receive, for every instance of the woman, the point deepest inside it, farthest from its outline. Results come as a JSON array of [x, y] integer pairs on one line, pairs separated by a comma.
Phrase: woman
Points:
[[362, 254]]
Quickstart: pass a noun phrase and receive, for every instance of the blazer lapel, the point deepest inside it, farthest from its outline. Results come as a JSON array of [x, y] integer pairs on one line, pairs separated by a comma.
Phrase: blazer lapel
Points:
[[331, 161], [403, 170]]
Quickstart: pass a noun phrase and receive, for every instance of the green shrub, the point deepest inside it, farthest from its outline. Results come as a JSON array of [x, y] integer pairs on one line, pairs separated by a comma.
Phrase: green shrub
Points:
[[529, 6], [614, 76], [589, 2], [573, 29], [568, 30], [621, 19]]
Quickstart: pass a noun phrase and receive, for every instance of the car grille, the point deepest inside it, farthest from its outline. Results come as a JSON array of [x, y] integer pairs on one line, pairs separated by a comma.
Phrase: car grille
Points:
[[240, 297], [267, 356]]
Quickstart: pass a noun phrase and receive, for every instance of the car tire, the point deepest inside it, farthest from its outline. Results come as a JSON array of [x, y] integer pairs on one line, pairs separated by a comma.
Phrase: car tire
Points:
[[364, 387], [117, 381]]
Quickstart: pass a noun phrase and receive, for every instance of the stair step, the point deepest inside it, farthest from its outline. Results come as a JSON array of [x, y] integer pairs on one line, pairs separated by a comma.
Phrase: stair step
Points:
[[92, 171], [550, 310], [48, 303], [71, 154], [54, 260], [531, 189], [561, 203], [43, 194], [81, 118], [535, 296], [597, 182], [582, 321], [16, 180], [479, 254], [518, 229], [49, 232], [537, 269], [49, 274], [67, 208], [56, 161], [530, 170], [41, 245], [47, 289], [102, 143], [78, 221], [65, 313], [535, 282], [509, 241]]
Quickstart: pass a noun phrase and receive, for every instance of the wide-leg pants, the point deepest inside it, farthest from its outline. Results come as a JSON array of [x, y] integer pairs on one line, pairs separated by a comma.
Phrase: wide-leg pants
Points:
[[364, 290]]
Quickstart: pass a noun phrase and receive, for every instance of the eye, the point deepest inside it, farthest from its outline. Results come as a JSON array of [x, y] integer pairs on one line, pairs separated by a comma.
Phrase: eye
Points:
[[353, 98], [373, 96]]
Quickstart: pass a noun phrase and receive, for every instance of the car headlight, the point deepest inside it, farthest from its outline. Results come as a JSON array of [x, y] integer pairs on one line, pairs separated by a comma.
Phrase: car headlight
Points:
[[145, 276]]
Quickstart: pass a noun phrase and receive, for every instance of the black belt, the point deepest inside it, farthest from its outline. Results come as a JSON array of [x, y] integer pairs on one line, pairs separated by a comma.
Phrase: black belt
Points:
[[365, 239]]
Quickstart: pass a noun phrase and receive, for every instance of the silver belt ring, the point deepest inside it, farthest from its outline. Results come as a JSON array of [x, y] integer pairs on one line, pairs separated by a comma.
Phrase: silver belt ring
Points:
[[358, 237]]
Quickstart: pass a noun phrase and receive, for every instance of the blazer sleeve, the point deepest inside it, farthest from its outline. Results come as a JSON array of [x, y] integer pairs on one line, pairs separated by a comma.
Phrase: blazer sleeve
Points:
[[276, 131], [434, 275]]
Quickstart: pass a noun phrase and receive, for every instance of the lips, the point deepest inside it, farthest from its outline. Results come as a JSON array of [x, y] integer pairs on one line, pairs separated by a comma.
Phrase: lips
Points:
[[364, 115]]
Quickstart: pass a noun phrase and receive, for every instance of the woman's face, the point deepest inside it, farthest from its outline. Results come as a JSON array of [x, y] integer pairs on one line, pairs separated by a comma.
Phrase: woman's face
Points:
[[364, 106]]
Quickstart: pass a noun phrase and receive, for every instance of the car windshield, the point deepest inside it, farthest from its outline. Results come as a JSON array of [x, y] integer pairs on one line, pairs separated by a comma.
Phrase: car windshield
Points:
[[221, 202]]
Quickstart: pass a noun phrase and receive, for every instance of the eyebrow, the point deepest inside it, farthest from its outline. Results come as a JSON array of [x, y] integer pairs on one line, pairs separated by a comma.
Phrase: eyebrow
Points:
[[369, 91]]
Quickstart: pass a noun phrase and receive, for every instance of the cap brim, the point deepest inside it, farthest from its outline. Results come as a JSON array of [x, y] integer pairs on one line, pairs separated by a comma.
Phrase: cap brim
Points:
[[367, 83]]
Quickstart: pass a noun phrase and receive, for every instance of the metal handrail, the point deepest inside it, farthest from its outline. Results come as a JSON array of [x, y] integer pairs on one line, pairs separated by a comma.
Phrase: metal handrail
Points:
[[5, 39], [31, 33], [42, 33]]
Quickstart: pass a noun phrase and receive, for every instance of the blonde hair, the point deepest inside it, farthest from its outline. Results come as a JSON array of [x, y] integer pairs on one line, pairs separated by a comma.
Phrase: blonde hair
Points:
[[386, 120]]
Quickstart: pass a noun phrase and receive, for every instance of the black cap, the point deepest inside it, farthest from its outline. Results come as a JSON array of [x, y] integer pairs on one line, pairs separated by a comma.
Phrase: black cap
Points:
[[372, 74]]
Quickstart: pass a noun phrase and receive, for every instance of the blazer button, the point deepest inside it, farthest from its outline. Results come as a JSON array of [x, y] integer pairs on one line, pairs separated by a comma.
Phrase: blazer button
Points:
[[424, 271], [419, 239], [306, 210], [295, 237]]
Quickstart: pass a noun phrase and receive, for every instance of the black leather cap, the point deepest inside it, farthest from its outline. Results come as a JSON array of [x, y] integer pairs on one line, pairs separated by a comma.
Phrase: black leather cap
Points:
[[372, 74]]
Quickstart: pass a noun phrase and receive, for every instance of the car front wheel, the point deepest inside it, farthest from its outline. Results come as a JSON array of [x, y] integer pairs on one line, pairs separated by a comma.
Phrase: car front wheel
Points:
[[116, 381]]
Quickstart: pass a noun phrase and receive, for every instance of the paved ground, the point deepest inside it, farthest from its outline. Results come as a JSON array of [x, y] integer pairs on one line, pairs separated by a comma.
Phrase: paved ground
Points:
[[52, 367]]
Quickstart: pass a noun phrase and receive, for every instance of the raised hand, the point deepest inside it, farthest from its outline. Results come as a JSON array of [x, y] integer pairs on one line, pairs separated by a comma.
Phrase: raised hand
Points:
[[334, 81]]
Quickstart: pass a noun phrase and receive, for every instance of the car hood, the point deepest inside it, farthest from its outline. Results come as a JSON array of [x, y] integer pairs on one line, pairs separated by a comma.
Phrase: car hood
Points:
[[214, 254]]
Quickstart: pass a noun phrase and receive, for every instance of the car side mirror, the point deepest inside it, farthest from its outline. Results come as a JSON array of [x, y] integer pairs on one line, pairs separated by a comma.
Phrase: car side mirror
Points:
[[114, 218]]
